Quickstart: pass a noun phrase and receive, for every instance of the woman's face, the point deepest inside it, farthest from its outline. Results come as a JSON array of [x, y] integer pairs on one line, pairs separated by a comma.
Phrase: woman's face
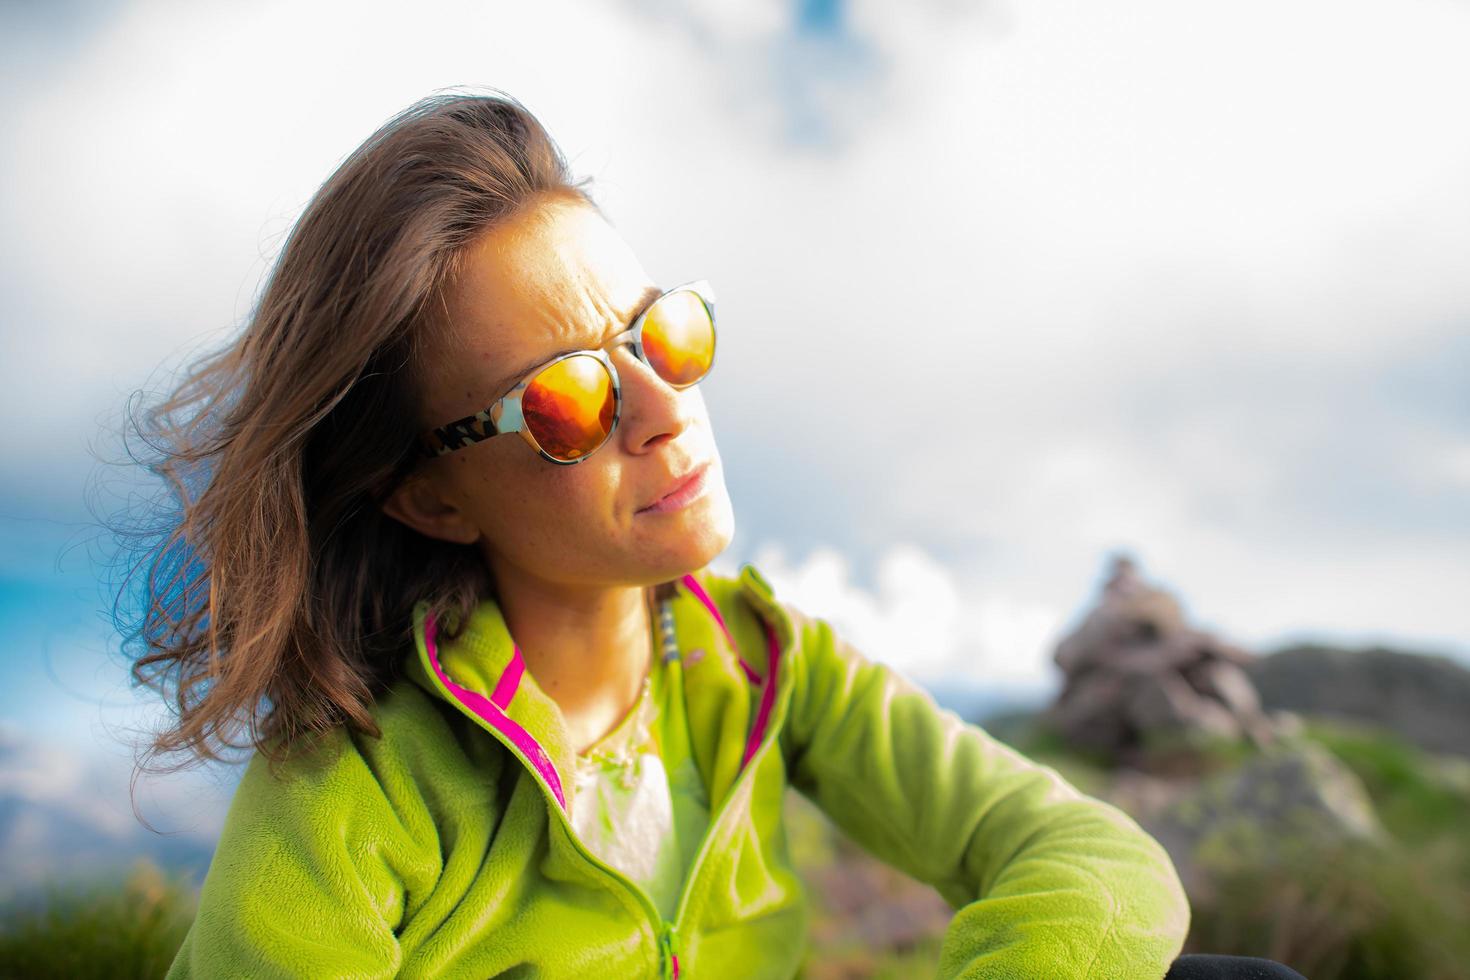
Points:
[[556, 278]]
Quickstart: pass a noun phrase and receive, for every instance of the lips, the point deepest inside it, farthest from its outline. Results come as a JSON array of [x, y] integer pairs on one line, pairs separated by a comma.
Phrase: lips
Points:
[[681, 491]]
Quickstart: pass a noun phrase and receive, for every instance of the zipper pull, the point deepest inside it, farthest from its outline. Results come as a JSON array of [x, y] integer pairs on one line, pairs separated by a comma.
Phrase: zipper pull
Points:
[[669, 943]]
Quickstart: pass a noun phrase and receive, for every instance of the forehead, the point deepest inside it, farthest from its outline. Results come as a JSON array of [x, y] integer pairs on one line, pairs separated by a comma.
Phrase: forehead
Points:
[[550, 253], [553, 278]]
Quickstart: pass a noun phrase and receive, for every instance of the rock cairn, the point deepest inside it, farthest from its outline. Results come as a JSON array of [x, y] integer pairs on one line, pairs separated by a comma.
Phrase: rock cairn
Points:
[[1135, 668]]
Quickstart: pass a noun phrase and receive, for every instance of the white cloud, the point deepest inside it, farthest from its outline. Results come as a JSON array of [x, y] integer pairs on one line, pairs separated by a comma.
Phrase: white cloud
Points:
[[921, 619], [65, 815], [1449, 466], [1064, 277], [38, 775]]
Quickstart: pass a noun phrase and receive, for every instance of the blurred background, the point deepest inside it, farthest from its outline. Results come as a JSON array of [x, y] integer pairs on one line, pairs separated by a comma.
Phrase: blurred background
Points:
[[1006, 290]]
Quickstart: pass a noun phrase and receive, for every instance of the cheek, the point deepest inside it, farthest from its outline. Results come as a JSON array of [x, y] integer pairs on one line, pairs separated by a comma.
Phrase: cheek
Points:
[[525, 505]]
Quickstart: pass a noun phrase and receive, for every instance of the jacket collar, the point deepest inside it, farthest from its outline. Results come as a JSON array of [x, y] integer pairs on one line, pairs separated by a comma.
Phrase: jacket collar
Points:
[[726, 656]]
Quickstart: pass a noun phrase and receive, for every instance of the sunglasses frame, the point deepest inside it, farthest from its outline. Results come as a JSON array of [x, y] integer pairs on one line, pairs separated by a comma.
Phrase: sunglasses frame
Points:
[[504, 416]]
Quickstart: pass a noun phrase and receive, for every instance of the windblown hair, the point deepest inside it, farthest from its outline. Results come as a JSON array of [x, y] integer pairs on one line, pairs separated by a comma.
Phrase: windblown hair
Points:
[[270, 595]]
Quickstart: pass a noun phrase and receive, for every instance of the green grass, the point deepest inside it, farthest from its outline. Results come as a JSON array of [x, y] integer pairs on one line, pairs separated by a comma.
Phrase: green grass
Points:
[[111, 929], [1342, 912], [1361, 910], [1420, 798]]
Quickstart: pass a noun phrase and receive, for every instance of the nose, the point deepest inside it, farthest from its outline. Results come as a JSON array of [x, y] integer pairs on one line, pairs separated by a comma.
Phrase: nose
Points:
[[653, 411]]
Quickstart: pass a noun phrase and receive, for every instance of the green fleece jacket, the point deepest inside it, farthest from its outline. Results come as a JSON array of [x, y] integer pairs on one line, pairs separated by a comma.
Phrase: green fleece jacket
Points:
[[444, 849]]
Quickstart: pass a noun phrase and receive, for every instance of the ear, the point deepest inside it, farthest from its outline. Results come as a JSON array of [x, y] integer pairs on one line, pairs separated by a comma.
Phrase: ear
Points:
[[418, 503]]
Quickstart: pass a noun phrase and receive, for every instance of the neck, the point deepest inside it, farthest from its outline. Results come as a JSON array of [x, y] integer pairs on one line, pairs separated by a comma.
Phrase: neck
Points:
[[589, 647]]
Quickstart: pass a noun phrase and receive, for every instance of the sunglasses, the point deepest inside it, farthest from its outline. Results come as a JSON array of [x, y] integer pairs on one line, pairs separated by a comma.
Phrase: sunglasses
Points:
[[569, 406]]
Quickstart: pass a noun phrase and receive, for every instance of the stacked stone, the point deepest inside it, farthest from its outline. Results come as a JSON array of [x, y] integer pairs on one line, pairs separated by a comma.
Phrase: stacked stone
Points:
[[1136, 668]]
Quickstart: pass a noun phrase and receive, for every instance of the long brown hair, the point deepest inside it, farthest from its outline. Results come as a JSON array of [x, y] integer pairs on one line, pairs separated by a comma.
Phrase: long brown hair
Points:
[[269, 594]]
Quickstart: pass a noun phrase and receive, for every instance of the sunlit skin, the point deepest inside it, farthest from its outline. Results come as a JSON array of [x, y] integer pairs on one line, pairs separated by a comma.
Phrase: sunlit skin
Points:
[[570, 554]]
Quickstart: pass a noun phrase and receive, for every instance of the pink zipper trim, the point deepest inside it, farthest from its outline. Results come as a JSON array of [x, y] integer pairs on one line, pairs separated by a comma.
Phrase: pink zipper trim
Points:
[[510, 680], [768, 689], [491, 711], [692, 584], [768, 696]]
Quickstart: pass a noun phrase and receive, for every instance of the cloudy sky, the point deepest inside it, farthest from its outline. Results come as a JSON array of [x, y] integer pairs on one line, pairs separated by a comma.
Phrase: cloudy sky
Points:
[[1002, 288]]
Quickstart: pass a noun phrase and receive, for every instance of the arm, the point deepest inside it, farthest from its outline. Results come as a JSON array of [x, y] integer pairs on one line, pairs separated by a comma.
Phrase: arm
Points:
[[1047, 882], [302, 882]]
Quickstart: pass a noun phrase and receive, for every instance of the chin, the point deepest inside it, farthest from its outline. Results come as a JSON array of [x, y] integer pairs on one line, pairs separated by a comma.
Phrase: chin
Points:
[[700, 539], [716, 541]]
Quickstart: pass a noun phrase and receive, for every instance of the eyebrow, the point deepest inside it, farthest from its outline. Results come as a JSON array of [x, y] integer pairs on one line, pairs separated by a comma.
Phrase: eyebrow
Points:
[[647, 299]]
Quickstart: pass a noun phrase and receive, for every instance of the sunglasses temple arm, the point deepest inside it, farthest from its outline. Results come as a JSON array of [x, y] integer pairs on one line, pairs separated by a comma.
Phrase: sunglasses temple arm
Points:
[[471, 429]]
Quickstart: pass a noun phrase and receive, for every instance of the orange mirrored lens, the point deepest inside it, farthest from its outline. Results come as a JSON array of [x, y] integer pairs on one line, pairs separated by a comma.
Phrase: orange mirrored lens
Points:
[[569, 406], [679, 338]]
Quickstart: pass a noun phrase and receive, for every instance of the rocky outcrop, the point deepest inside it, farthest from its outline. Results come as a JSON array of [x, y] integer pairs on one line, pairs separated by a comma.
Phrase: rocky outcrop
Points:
[[1270, 807], [1135, 669], [1423, 699]]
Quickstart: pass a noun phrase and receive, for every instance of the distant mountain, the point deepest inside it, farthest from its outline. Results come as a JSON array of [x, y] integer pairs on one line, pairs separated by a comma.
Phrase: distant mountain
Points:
[[48, 843], [1424, 699], [978, 704]]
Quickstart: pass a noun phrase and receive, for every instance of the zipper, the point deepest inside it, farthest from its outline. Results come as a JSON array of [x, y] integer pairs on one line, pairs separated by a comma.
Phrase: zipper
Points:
[[772, 730], [709, 836], [665, 933], [662, 930], [669, 950]]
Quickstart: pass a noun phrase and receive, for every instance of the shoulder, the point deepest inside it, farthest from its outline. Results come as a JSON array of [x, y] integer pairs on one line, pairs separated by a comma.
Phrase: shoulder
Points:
[[420, 741], [424, 737]]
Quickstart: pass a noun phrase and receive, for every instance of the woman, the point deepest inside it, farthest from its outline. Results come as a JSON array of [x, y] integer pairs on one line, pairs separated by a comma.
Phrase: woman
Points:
[[507, 722]]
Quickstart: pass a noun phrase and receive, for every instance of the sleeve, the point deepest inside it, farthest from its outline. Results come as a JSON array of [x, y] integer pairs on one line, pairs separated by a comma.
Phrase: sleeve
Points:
[[1046, 882], [305, 879]]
